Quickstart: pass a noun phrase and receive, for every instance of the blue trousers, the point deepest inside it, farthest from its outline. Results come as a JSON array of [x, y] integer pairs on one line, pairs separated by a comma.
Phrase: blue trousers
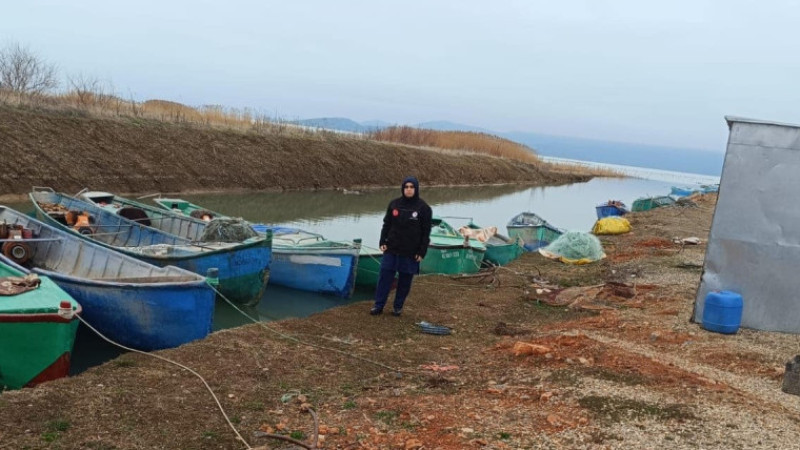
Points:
[[385, 281], [406, 267]]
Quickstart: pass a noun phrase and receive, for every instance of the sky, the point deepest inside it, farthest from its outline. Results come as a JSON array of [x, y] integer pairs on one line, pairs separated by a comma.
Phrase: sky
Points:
[[658, 73]]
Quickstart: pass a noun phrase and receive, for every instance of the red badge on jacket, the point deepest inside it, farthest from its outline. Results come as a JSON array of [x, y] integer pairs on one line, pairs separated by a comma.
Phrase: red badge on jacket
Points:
[[395, 212]]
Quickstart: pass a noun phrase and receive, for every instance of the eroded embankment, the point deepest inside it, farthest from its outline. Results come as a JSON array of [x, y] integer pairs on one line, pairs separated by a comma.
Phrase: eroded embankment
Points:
[[69, 151]]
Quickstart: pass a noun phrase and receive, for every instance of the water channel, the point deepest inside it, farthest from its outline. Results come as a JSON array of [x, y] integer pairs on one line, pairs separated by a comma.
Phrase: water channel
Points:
[[346, 215]]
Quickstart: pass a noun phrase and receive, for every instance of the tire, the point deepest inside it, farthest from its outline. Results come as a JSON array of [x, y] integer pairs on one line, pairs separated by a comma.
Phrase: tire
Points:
[[19, 252], [86, 231]]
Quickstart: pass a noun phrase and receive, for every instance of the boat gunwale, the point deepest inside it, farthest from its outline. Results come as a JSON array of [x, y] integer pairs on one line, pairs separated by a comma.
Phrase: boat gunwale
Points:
[[50, 317], [251, 242]]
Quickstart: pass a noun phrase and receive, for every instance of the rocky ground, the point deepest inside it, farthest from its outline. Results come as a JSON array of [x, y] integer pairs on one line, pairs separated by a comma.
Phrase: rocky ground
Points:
[[542, 355]]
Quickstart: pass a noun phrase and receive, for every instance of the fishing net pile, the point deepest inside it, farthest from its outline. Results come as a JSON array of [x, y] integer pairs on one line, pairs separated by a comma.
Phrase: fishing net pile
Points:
[[227, 230], [575, 247]]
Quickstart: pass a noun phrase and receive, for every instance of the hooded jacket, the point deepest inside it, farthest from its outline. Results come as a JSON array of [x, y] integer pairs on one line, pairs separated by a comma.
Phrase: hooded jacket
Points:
[[407, 224]]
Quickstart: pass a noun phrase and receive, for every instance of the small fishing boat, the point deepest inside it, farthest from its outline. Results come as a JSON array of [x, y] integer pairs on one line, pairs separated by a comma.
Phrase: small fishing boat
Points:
[[683, 191], [500, 249], [38, 322], [300, 259], [451, 253], [709, 188], [137, 304], [309, 262], [157, 218], [611, 208], [648, 203], [369, 265], [534, 231], [243, 267]]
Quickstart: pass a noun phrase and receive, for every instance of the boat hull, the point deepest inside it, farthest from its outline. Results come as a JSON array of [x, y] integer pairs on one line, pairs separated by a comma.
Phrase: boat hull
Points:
[[369, 268], [35, 344], [609, 211], [646, 204], [534, 237], [243, 275], [502, 254], [326, 271], [145, 316], [452, 260]]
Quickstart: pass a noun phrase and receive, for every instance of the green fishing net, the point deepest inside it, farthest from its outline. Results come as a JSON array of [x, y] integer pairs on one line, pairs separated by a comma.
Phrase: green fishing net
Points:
[[577, 245], [227, 230]]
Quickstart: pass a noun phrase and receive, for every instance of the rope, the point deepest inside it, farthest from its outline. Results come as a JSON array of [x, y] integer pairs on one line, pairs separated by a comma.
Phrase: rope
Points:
[[301, 342], [219, 405]]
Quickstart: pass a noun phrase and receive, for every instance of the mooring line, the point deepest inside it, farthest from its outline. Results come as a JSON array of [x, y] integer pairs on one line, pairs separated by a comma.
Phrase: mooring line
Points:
[[214, 396]]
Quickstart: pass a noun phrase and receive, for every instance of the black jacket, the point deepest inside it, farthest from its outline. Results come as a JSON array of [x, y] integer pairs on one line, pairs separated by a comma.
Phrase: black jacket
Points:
[[407, 224]]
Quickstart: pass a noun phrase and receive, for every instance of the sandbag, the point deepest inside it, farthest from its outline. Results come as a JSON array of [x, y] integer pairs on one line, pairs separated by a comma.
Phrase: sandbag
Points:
[[612, 225]]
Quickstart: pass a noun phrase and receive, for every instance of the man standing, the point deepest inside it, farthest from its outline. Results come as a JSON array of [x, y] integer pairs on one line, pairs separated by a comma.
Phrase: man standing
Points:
[[404, 241]]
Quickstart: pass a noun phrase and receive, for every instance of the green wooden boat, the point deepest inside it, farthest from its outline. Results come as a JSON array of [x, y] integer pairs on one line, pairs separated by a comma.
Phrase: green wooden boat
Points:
[[646, 204], [451, 253], [37, 332], [500, 249], [534, 231], [369, 265]]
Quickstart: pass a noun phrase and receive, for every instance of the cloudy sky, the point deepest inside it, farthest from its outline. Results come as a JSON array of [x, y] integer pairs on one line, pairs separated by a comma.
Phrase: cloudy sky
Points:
[[662, 73]]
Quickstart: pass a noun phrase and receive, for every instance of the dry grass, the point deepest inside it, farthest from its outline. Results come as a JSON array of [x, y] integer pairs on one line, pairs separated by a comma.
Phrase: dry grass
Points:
[[100, 104], [582, 169], [90, 98], [457, 140]]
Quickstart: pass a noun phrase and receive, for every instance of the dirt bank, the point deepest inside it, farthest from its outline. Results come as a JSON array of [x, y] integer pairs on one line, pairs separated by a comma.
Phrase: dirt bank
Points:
[[620, 366], [69, 151]]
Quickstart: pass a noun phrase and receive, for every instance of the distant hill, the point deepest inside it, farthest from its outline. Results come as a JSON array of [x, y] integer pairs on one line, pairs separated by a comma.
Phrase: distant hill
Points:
[[333, 123], [443, 125], [344, 124], [707, 162]]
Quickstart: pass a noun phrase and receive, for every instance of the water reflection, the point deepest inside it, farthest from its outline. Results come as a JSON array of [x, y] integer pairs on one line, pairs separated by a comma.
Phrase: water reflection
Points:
[[286, 207]]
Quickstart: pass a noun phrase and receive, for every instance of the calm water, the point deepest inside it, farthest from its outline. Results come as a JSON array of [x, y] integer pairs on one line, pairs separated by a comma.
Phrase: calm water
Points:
[[346, 216]]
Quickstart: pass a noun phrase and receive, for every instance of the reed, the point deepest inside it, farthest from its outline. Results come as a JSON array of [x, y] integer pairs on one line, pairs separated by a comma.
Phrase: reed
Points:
[[457, 140], [90, 98]]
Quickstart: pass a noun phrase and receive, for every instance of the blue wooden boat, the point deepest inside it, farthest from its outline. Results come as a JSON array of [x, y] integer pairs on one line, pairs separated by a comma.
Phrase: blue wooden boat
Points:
[[534, 231], [309, 262], [300, 259], [132, 302], [243, 267], [683, 191], [38, 323], [611, 208]]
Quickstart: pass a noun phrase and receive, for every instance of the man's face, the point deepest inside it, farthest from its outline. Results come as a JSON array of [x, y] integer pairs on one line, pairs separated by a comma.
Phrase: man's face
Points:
[[408, 190]]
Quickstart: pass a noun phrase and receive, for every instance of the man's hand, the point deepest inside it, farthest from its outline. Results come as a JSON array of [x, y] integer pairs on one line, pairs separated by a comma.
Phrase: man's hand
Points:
[[417, 258], [383, 248]]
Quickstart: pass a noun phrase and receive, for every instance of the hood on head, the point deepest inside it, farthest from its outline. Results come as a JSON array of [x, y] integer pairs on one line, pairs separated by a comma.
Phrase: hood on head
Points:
[[415, 182]]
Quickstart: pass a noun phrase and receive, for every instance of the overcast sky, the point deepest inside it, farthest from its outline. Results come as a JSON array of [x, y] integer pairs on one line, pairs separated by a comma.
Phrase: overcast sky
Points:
[[663, 73]]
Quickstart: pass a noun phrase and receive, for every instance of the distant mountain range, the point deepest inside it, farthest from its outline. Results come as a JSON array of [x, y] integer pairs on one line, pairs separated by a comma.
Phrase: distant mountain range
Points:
[[707, 162]]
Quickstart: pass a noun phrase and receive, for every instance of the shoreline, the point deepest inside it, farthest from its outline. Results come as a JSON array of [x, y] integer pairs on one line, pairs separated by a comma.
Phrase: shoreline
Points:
[[610, 367]]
